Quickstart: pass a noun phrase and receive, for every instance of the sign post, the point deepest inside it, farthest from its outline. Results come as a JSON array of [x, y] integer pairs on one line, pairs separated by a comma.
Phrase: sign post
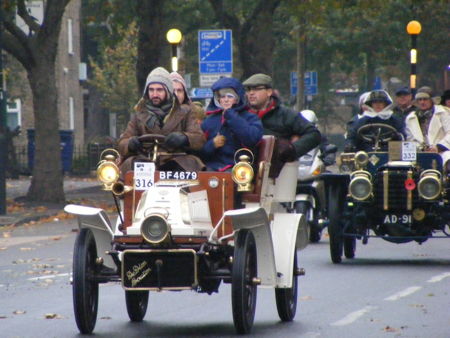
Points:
[[215, 55]]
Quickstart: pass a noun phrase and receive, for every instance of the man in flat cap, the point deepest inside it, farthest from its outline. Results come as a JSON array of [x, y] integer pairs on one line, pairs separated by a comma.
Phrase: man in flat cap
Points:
[[403, 101], [429, 125], [280, 121]]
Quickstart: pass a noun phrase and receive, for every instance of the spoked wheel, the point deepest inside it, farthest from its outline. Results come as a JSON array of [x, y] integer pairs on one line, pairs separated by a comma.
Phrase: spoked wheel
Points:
[[136, 304], [287, 298], [303, 207], [243, 289], [335, 224], [85, 288]]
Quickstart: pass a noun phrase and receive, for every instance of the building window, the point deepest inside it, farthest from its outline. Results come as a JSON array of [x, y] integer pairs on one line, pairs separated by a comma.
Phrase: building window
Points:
[[14, 114], [69, 37], [71, 114]]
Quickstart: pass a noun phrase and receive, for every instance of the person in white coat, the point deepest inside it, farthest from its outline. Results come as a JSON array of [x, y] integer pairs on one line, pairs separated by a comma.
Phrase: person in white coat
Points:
[[429, 127]]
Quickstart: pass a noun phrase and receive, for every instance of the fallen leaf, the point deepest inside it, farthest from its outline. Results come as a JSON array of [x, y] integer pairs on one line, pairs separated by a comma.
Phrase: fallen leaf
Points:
[[40, 209], [306, 298], [430, 295], [390, 329], [26, 249], [3, 248], [19, 312], [51, 316], [56, 238], [106, 317]]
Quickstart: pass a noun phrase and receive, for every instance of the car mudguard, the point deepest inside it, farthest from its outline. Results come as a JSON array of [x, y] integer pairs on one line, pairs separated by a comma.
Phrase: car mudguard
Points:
[[97, 220], [256, 220]]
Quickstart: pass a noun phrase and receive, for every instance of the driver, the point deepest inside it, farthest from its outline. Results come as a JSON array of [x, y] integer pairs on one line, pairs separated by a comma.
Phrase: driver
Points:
[[377, 107], [158, 112]]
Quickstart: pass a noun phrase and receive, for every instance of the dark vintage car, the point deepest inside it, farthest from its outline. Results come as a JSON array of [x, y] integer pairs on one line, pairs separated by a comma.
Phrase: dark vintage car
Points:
[[395, 192]]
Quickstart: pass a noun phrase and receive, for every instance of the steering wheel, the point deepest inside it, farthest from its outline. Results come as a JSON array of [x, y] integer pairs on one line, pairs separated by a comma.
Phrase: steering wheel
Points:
[[377, 132], [151, 139]]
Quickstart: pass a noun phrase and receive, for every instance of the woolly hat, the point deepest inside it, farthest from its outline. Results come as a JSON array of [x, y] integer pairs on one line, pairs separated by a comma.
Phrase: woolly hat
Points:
[[175, 77], [159, 75], [258, 80]]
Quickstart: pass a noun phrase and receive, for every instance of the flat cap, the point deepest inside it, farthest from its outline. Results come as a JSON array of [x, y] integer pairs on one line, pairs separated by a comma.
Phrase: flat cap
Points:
[[258, 80], [403, 91]]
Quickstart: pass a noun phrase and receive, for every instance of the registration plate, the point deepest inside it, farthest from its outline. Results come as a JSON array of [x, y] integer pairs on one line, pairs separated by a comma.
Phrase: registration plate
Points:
[[159, 269], [397, 219]]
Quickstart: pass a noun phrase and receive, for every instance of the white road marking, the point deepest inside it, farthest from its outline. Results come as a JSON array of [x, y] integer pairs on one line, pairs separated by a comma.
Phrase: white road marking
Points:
[[49, 276], [438, 278], [403, 293], [351, 317]]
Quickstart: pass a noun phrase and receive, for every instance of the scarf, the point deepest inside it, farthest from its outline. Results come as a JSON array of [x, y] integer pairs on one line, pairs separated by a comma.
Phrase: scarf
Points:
[[157, 114], [263, 112]]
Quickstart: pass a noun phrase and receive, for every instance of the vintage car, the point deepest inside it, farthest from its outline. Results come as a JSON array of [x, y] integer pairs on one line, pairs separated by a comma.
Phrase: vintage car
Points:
[[399, 194], [191, 231]]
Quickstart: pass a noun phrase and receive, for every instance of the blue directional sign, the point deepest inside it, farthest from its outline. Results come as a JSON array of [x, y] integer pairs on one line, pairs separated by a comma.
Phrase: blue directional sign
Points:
[[310, 80], [215, 51], [201, 93]]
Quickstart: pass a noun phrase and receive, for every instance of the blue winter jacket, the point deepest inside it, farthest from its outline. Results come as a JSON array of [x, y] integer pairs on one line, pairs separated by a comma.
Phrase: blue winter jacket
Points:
[[241, 128]]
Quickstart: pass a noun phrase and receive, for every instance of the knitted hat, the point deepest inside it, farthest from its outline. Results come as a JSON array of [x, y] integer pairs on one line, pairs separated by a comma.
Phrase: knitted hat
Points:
[[175, 77], [258, 80], [159, 75]]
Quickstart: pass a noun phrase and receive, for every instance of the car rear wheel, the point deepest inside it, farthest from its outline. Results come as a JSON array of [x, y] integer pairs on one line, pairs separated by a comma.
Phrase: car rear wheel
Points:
[[303, 207], [243, 289], [286, 298], [349, 247], [137, 302], [85, 287], [335, 222]]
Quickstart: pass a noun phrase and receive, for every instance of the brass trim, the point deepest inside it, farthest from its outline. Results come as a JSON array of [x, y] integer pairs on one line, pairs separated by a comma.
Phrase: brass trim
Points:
[[158, 250], [223, 206], [409, 192], [385, 190]]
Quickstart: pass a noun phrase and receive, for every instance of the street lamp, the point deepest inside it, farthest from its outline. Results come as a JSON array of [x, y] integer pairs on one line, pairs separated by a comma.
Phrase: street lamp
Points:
[[174, 37], [413, 28]]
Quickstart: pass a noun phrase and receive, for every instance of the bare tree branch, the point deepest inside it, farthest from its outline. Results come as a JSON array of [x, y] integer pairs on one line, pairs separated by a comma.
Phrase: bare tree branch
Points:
[[23, 13], [15, 48]]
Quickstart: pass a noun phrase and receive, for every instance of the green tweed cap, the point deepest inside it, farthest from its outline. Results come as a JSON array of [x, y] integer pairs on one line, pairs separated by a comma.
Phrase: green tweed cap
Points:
[[258, 80]]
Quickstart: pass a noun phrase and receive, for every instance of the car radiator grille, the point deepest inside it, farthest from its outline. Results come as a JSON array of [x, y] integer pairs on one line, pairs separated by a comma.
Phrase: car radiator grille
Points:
[[390, 191]]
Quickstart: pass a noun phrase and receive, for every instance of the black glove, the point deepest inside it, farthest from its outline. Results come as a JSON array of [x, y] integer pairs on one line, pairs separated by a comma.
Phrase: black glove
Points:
[[134, 145], [287, 151], [176, 140]]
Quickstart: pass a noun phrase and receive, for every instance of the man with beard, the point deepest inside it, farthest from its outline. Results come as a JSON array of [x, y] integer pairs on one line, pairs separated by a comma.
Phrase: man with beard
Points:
[[159, 112]]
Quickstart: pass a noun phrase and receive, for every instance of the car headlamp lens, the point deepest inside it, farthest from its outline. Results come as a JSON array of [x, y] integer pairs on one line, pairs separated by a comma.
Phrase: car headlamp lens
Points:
[[154, 229], [108, 172], [360, 187], [361, 159], [429, 187], [242, 173]]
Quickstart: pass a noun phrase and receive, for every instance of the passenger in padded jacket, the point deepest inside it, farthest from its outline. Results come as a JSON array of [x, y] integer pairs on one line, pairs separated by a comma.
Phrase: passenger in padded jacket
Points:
[[228, 125]]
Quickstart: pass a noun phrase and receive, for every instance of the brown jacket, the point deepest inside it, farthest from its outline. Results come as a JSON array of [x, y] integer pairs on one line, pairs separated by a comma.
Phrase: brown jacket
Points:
[[180, 119]]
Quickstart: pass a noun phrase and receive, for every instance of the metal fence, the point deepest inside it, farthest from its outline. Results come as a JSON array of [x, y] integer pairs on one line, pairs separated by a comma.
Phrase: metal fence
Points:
[[84, 159]]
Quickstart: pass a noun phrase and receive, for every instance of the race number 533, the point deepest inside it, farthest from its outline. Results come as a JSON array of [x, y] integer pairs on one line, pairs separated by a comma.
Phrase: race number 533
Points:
[[144, 175]]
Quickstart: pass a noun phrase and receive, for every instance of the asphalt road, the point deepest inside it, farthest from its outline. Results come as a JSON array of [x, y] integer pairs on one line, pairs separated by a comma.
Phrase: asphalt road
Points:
[[388, 290]]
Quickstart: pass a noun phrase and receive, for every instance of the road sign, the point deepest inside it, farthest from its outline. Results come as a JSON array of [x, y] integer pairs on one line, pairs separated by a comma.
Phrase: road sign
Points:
[[310, 80], [201, 93], [215, 51]]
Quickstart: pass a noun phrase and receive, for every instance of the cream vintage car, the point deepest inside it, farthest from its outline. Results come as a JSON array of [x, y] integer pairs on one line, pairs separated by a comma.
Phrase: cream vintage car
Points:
[[191, 231]]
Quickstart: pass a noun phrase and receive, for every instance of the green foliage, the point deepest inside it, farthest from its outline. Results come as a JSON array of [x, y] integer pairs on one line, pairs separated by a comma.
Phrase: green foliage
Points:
[[114, 73]]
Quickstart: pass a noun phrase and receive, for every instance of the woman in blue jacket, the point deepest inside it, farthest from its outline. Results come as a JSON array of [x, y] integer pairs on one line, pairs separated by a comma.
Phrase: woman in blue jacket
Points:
[[228, 125]]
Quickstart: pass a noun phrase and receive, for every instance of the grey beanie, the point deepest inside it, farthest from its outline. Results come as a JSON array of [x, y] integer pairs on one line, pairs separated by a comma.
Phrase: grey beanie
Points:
[[159, 75]]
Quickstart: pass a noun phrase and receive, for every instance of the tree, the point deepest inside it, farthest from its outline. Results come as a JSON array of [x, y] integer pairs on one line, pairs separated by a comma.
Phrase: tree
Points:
[[37, 53], [114, 73]]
